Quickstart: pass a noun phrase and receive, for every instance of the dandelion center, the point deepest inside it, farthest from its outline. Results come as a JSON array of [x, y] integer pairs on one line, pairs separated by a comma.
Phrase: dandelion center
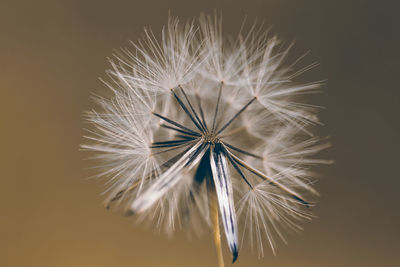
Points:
[[210, 138]]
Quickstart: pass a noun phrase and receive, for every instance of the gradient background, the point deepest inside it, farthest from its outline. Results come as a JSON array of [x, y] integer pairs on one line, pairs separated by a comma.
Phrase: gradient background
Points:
[[51, 55]]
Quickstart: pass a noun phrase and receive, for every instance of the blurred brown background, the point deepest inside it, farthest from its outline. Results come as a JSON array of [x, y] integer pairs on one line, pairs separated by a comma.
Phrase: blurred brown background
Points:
[[51, 53]]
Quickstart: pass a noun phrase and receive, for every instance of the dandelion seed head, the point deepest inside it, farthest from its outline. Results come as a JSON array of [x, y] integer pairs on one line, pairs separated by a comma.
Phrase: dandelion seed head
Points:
[[196, 116]]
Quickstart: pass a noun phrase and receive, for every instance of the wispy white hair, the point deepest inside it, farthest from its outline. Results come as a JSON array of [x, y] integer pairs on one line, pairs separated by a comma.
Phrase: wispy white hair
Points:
[[194, 114]]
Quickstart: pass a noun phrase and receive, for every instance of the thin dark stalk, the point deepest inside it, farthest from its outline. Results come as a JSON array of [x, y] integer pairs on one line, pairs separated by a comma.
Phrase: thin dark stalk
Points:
[[171, 143], [183, 106], [234, 131], [176, 124], [237, 168], [201, 112], [242, 151], [217, 107], [180, 131], [186, 137], [236, 115], [271, 180], [174, 148], [191, 108]]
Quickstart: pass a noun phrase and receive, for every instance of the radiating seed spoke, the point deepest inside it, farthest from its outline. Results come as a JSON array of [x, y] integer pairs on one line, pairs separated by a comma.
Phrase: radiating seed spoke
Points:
[[179, 130], [217, 107], [183, 106], [236, 115], [242, 151], [201, 112], [271, 180], [192, 109], [176, 124], [237, 168]]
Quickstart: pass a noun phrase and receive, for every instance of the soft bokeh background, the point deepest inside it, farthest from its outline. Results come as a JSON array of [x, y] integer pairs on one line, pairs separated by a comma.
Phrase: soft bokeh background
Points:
[[52, 52]]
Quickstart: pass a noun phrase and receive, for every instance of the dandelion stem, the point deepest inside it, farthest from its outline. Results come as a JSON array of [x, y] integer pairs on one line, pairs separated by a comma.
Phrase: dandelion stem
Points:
[[215, 223]]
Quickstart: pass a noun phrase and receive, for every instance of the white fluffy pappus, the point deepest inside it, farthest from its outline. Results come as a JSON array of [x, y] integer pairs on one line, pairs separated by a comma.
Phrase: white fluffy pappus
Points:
[[204, 130]]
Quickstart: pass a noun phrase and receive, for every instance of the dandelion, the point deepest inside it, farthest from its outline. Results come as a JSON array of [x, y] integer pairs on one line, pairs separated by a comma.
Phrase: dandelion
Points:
[[204, 130]]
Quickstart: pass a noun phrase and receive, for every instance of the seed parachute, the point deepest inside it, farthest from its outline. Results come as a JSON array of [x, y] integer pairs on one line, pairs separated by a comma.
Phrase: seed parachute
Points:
[[207, 131]]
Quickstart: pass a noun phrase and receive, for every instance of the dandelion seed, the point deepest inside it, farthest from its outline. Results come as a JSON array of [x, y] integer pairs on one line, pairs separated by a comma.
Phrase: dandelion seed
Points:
[[205, 131]]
